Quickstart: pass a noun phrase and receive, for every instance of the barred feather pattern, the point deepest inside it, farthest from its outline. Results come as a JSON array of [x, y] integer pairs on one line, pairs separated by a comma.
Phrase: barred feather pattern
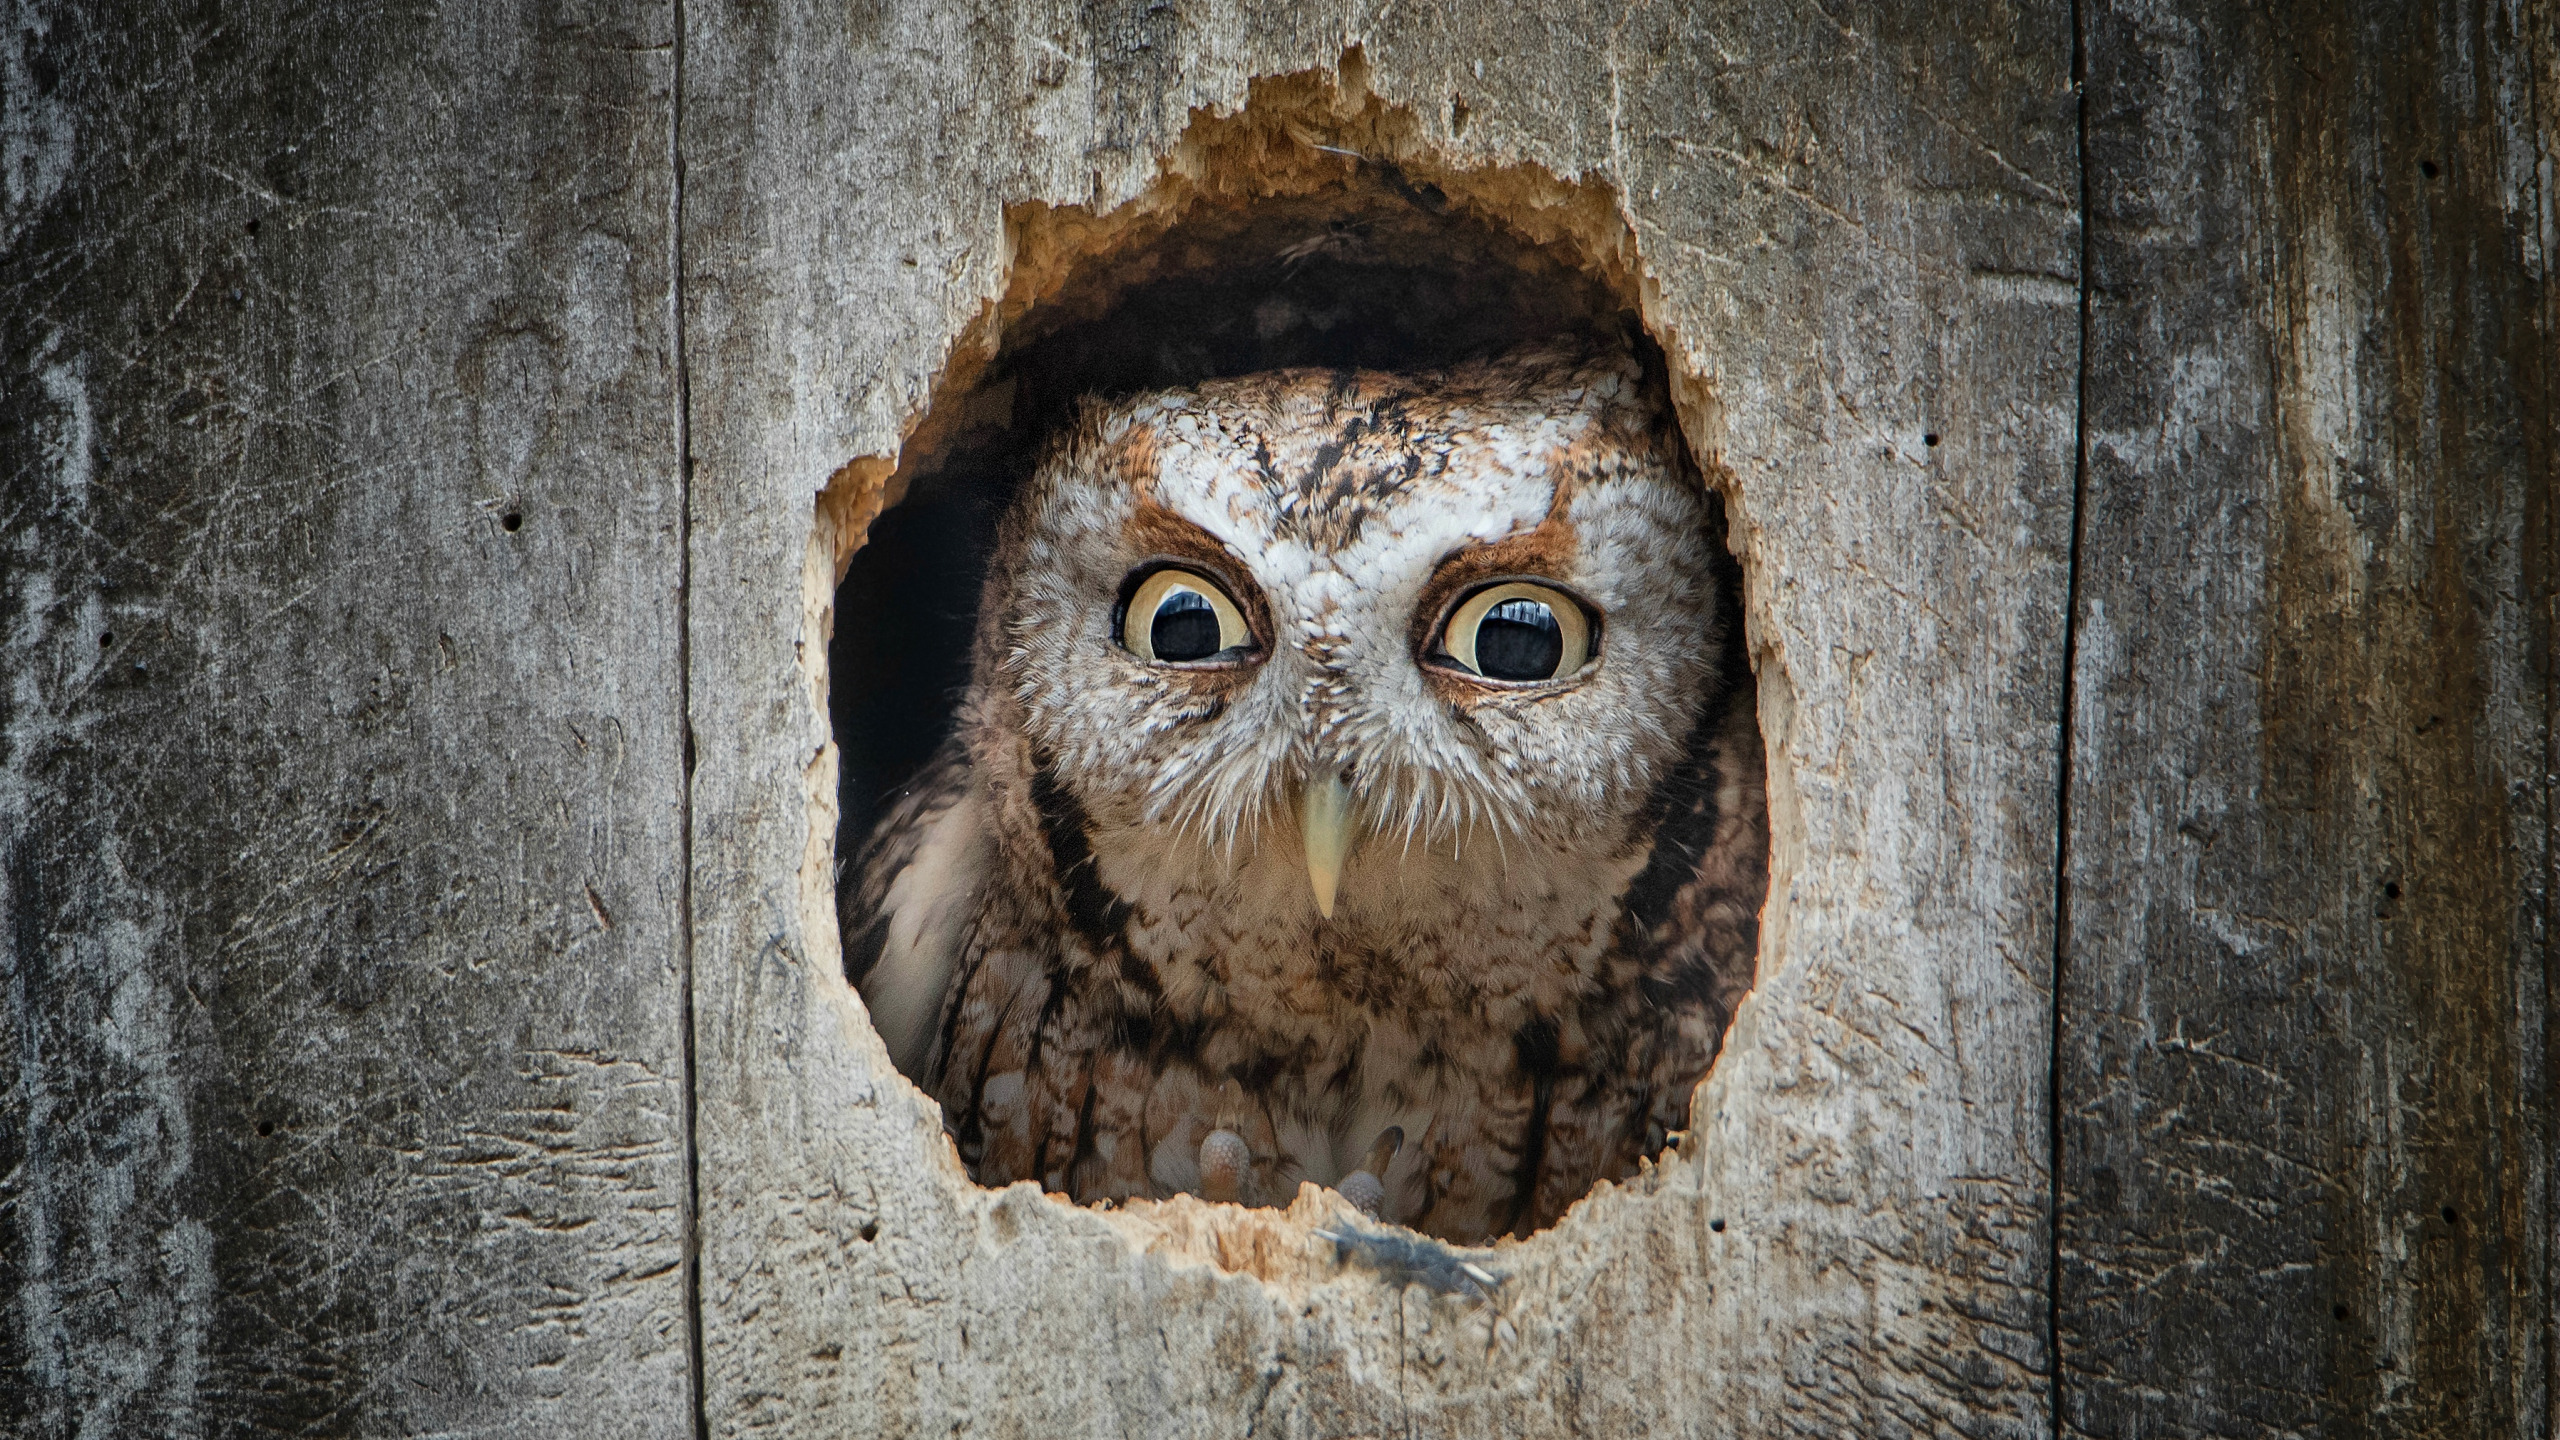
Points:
[[1087, 928]]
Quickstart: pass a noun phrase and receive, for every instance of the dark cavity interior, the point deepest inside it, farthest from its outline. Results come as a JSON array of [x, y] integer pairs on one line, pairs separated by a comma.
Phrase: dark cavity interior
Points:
[[1379, 273]]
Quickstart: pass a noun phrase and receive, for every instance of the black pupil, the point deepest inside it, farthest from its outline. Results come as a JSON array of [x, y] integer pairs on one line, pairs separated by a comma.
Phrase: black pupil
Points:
[[1185, 627], [1518, 640]]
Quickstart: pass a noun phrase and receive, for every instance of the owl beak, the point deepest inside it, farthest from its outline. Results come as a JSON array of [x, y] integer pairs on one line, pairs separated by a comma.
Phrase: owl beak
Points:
[[1324, 817]]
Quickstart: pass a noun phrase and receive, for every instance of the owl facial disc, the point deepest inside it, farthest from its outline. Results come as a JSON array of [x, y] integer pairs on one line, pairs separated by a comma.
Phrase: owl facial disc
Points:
[[1324, 817]]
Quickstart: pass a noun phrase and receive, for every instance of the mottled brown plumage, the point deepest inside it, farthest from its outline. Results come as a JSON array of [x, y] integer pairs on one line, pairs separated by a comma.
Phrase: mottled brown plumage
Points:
[[1104, 924]]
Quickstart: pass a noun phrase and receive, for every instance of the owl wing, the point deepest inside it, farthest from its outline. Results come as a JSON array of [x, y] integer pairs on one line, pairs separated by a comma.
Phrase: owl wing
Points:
[[1701, 949], [953, 936], [911, 899], [1689, 941]]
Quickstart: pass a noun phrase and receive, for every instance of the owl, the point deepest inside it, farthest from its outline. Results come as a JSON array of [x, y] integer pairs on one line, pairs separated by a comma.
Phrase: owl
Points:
[[1358, 783]]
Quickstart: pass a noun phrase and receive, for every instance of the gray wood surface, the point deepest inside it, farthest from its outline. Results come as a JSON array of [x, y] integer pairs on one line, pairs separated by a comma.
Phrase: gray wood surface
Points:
[[403, 740], [2306, 1142], [1860, 231], [338, 819]]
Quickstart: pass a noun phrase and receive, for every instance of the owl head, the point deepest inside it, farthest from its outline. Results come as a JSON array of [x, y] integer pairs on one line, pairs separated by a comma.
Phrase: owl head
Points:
[[1348, 625]]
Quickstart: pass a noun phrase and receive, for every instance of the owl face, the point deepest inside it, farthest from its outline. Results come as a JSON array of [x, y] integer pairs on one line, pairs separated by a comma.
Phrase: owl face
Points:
[[1371, 621]]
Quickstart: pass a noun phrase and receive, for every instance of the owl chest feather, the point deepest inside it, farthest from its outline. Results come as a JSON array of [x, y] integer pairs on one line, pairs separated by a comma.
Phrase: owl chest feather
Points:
[[1483, 938], [1158, 991]]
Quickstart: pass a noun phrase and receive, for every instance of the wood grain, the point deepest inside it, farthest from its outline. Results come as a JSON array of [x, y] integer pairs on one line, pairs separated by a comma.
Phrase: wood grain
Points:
[[339, 785], [1861, 232], [388, 774], [2306, 1141]]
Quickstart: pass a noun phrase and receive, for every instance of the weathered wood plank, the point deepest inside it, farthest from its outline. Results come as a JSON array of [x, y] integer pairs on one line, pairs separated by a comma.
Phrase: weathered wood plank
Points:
[[2306, 1144], [343, 876], [341, 753], [1860, 226]]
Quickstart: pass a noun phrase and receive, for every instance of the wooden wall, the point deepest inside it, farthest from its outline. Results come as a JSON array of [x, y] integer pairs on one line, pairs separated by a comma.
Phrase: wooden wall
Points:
[[421, 1006]]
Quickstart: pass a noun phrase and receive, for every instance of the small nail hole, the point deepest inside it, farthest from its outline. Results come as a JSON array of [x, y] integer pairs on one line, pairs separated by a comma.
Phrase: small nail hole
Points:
[[1930, 439], [2341, 1312], [511, 522], [2428, 169], [2452, 1216], [266, 1127], [1716, 1225], [870, 1230], [106, 638]]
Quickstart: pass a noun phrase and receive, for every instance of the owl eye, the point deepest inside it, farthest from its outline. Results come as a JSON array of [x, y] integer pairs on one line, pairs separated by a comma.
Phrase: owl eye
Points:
[[1519, 631], [1176, 616]]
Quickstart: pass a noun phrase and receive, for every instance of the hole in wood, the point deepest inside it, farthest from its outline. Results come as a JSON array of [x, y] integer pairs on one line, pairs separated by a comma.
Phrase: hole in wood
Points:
[[1292, 698]]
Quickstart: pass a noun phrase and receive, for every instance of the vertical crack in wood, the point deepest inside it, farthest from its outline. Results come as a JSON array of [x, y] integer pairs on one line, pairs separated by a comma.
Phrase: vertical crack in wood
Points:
[[2543, 554], [2056, 1423], [691, 1219]]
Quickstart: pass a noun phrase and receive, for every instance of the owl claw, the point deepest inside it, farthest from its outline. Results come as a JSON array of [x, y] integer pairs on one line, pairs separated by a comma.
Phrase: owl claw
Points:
[[1365, 1188], [1383, 1150]]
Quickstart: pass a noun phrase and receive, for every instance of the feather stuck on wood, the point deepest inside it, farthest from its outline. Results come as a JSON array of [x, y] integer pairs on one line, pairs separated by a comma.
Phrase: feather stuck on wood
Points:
[[1405, 1258]]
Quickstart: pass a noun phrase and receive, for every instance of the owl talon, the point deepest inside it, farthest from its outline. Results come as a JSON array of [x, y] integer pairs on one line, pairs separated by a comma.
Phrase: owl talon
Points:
[[1223, 1158], [1383, 1150]]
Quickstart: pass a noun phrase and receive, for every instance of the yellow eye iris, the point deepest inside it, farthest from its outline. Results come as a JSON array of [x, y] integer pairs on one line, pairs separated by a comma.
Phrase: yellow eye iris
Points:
[[1177, 616], [1519, 631]]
